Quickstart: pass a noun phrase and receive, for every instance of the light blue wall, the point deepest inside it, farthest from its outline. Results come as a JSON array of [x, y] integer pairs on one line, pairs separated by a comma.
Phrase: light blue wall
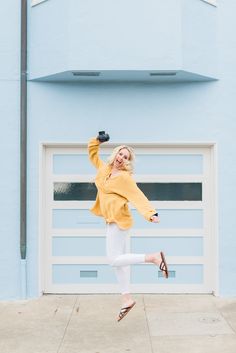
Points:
[[122, 35], [227, 168], [125, 35], [48, 40], [9, 151], [199, 33]]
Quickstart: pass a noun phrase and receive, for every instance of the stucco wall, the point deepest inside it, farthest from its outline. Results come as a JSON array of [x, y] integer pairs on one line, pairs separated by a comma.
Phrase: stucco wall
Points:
[[125, 35], [9, 151]]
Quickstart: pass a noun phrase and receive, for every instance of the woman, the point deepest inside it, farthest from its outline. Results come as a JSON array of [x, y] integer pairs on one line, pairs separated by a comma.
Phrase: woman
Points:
[[116, 188]]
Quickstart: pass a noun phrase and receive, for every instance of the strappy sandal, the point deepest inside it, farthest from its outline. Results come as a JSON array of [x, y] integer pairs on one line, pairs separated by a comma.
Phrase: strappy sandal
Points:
[[124, 311], [163, 265]]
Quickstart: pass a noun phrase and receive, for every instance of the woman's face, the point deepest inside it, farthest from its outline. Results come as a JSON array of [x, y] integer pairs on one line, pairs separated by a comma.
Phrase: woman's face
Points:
[[121, 158]]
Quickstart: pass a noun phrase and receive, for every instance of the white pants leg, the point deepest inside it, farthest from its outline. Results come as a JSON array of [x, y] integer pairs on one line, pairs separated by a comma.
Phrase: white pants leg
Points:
[[117, 256]]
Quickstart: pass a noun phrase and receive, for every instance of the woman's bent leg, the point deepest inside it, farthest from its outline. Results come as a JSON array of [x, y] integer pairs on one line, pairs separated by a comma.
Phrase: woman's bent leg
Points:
[[115, 243], [116, 248]]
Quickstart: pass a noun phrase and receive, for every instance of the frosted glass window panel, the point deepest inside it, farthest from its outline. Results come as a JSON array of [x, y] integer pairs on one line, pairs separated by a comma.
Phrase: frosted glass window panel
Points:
[[172, 246], [64, 191], [74, 191], [68, 273], [172, 218], [169, 164], [78, 246], [88, 274], [172, 191], [74, 164], [184, 274]]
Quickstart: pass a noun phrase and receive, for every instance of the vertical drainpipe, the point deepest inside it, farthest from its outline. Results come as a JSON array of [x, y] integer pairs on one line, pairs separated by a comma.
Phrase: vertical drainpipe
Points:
[[23, 147]]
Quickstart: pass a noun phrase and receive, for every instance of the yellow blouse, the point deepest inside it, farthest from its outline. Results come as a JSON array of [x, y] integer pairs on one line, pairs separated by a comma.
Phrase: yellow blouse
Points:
[[114, 193]]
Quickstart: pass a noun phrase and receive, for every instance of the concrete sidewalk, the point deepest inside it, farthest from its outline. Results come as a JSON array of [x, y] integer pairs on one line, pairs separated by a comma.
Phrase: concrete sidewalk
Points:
[[87, 324]]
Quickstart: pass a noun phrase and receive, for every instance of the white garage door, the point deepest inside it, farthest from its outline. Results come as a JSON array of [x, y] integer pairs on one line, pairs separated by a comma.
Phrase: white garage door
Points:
[[179, 181]]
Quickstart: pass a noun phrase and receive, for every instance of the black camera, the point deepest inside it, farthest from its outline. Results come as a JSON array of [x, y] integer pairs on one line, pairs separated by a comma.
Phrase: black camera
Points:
[[103, 137]]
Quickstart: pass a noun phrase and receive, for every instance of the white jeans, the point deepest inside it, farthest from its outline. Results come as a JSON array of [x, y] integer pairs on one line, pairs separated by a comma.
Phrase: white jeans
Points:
[[117, 256]]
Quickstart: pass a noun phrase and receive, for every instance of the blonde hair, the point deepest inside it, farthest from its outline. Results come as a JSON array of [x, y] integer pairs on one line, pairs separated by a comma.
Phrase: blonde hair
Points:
[[128, 166]]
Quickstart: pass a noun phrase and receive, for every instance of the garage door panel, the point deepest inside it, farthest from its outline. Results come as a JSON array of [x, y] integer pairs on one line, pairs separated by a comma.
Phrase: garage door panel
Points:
[[91, 274], [82, 191], [64, 191], [73, 164], [78, 246], [169, 164], [172, 218], [75, 218], [181, 274], [173, 246]]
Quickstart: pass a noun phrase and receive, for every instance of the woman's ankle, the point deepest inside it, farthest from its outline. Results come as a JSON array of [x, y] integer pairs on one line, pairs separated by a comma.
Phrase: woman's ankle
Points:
[[127, 299], [149, 258], [126, 296], [153, 258]]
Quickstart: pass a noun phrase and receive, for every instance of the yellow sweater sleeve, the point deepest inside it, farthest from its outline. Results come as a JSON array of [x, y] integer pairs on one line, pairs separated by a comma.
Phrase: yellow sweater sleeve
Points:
[[132, 193], [93, 150]]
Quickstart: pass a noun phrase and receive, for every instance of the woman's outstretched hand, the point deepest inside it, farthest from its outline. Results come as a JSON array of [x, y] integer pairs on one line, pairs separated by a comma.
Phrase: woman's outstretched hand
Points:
[[155, 219]]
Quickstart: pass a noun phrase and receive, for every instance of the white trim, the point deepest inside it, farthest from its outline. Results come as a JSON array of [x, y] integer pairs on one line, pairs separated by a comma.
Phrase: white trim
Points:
[[208, 201], [169, 288], [161, 178], [163, 205], [211, 2], [41, 240], [102, 260], [154, 144], [36, 2], [98, 232], [93, 232], [135, 288], [169, 178], [215, 215]]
